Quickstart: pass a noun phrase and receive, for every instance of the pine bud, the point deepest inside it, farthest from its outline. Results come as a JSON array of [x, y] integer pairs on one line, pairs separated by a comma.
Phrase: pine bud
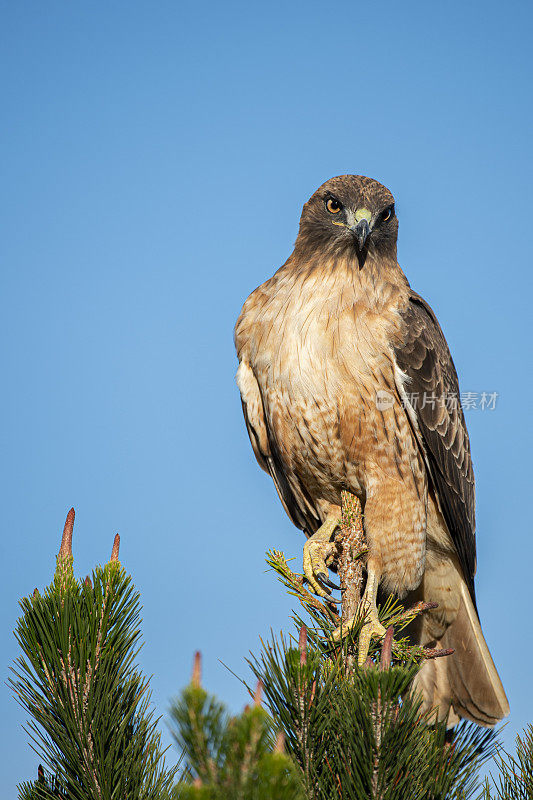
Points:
[[313, 692], [302, 645], [65, 551], [116, 547], [258, 693], [386, 650], [196, 678]]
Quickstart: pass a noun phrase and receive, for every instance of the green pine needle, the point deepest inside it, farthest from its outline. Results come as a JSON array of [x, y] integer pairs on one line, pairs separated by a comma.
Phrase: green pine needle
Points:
[[88, 704]]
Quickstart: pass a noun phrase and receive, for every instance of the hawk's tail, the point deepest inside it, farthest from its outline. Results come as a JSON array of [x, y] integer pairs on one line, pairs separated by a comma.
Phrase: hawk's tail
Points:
[[466, 682]]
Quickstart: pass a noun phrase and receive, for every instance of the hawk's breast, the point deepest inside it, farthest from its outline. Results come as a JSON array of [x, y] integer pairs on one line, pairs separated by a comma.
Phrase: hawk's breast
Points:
[[324, 362]]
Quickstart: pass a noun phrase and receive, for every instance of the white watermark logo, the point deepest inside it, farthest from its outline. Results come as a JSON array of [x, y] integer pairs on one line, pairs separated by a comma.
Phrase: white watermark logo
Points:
[[470, 401], [384, 400]]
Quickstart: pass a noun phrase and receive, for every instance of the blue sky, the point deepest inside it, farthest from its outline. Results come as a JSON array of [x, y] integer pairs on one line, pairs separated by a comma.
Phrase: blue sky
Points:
[[155, 158]]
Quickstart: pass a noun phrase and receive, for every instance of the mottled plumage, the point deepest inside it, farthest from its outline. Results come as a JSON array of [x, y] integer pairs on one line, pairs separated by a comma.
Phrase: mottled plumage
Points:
[[332, 350]]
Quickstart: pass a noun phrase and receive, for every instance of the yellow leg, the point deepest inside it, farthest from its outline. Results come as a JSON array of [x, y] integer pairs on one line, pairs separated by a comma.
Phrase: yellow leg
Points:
[[368, 608], [316, 550], [372, 626]]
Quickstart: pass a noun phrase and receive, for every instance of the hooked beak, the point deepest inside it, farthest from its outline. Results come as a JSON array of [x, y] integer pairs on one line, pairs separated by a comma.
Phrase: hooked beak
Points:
[[361, 231], [360, 227]]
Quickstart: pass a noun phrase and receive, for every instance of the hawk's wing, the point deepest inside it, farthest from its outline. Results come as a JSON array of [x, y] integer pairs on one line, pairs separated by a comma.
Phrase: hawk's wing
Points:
[[295, 499], [440, 425]]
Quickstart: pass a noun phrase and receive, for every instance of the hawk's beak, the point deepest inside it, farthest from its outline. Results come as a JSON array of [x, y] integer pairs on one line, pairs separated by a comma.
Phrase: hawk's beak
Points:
[[361, 231], [361, 227]]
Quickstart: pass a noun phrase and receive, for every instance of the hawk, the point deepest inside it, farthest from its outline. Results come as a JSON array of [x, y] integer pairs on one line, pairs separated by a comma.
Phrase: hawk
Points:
[[347, 383]]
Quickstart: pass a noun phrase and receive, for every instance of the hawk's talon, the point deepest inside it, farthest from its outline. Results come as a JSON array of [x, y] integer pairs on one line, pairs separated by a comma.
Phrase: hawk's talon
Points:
[[367, 612], [345, 627], [371, 628], [317, 550], [323, 578]]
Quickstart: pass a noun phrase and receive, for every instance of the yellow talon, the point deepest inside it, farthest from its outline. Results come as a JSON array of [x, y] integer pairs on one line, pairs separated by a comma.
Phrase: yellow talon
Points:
[[372, 626], [317, 550], [345, 628]]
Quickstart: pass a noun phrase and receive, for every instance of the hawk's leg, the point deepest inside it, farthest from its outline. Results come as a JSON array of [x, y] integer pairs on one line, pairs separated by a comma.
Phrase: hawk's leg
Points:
[[372, 626], [317, 550], [368, 608]]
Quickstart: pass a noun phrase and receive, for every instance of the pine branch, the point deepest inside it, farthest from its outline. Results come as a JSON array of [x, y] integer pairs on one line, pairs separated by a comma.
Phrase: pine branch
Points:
[[358, 733], [351, 545], [88, 704], [514, 780], [326, 619], [230, 758]]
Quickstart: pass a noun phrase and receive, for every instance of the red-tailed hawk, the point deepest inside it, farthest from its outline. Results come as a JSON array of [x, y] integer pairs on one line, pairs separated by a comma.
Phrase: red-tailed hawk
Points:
[[347, 383]]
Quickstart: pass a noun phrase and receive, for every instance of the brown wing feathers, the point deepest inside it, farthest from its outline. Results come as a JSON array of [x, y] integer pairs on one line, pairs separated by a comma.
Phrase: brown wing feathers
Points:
[[434, 389]]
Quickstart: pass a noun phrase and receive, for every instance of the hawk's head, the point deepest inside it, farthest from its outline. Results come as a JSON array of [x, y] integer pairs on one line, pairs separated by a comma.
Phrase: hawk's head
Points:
[[350, 212]]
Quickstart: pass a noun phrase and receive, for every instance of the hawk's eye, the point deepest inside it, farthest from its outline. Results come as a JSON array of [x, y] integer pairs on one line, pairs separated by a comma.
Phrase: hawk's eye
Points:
[[333, 206], [387, 214]]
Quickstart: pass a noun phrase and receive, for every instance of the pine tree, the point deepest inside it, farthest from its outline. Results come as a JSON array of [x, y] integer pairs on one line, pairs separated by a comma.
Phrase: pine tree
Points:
[[514, 780], [230, 758], [357, 733], [331, 729], [77, 679]]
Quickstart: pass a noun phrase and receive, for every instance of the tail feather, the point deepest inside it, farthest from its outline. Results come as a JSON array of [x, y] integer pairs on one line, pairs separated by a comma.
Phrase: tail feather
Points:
[[466, 683]]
